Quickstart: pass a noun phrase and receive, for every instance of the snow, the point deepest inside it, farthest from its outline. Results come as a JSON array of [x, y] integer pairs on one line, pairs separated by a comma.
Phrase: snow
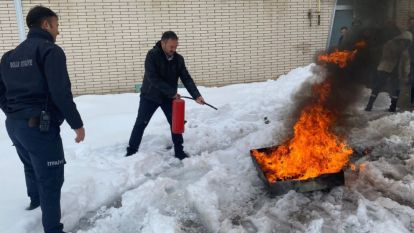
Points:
[[217, 189]]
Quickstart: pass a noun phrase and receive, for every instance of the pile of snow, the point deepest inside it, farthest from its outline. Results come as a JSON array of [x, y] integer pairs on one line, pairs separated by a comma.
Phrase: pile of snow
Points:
[[217, 189]]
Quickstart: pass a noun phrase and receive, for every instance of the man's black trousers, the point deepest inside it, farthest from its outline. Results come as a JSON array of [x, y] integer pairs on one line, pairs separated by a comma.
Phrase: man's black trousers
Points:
[[145, 111], [43, 160]]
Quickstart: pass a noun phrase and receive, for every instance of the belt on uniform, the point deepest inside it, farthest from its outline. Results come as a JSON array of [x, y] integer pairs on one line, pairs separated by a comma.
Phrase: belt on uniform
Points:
[[34, 122]]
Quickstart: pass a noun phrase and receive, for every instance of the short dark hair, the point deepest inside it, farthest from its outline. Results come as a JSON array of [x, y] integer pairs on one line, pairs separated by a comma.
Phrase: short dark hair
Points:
[[37, 14], [344, 27], [169, 35]]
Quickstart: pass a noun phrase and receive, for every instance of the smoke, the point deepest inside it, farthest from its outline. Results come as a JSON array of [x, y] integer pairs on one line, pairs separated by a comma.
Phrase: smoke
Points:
[[346, 89], [374, 23], [373, 13]]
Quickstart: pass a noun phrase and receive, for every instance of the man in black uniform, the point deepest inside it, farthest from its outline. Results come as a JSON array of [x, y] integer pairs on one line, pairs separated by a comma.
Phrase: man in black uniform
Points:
[[163, 67], [36, 96]]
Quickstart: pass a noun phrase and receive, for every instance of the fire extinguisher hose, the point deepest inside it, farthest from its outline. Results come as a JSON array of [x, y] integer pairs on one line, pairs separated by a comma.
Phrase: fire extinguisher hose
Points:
[[211, 106]]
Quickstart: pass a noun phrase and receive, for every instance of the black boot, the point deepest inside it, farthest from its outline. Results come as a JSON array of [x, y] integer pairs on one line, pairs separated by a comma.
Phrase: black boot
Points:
[[371, 101], [393, 106], [130, 151], [181, 155], [179, 152], [33, 205]]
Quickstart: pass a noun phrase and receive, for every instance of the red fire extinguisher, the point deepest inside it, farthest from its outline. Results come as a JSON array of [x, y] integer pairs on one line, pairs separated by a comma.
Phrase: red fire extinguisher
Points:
[[178, 110]]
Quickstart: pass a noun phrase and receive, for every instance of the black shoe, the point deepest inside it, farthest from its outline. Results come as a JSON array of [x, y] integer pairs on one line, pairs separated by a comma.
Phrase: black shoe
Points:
[[33, 205], [392, 109], [130, 151], [370, 104], [393, 106], [181, 155]]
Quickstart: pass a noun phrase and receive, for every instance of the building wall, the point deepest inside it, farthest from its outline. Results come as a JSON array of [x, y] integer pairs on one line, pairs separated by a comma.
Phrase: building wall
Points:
[[223, 41], [9, 34], [404, 10]]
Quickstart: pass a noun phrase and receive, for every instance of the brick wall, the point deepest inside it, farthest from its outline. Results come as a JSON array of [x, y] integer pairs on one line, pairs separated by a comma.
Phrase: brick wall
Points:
[[223, 41], [405, 10], [9, 34]]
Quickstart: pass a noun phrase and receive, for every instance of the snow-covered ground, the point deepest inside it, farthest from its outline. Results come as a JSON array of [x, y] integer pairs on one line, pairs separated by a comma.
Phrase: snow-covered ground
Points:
[[217, 189]]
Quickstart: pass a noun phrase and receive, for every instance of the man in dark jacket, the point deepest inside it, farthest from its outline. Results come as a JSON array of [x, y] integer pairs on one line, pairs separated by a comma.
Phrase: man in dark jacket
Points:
[[36, 96], [163, 67], [343, 37], [394, 67]]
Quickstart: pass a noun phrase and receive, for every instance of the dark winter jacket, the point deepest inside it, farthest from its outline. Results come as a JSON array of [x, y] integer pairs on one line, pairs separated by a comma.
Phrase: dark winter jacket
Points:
[[35, 73], [161, 76]]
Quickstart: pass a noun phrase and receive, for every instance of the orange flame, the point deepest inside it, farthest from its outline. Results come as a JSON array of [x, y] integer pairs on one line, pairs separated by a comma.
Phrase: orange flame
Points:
[[358, 167], [338, 57], [353, 167], [341, 58], [360, 44], [314, 149]]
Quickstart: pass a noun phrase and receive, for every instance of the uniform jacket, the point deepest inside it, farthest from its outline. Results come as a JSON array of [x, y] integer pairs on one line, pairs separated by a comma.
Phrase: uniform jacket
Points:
[[34, 75], [161, 76]]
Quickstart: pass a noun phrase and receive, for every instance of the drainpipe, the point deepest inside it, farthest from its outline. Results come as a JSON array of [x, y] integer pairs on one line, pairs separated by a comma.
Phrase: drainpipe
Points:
[[19, 19]]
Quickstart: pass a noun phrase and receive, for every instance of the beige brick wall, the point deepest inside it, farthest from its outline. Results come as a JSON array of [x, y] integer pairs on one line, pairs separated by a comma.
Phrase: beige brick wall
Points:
[[405, 10], [9, 34], [223, 41]]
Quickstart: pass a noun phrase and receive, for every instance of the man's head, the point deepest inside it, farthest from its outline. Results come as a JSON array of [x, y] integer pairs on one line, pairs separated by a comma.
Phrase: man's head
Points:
[[44, 18], [344, 30], [169, 42]]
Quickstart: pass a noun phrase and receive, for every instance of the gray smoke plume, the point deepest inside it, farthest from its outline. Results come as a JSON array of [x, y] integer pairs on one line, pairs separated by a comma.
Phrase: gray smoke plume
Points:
[[374, 23]]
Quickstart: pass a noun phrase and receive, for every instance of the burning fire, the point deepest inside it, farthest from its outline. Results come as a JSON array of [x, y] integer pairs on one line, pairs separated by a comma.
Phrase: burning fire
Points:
[[314, 149], [341, 58], [353, 167], [358, 168]]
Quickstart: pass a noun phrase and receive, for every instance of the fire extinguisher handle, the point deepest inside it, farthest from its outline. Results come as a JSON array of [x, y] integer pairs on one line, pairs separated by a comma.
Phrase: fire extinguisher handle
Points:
[[211, 106]]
